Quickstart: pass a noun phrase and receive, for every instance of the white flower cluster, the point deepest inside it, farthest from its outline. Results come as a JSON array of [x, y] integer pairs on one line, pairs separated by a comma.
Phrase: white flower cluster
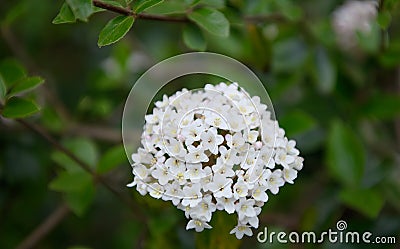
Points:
[[351, 17], [214, 149]]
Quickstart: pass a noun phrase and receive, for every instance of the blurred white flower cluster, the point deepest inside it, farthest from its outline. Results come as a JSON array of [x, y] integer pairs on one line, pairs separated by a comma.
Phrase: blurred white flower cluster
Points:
[[212, 149], [352, 17]]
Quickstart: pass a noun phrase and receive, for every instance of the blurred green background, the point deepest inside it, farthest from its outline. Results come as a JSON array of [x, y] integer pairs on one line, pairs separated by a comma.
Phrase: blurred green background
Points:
[[341, 105]]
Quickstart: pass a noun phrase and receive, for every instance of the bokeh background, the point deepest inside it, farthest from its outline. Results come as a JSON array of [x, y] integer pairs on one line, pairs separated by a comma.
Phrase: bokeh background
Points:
[[335, 86]]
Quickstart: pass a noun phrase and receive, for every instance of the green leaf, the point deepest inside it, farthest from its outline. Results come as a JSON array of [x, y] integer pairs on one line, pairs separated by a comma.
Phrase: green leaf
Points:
[[143, 5], [211, 20], [384, 18], [114, 3], [81, 9], [325, 71], [218, 4], [66, 162], [26, 84], [19, 108], [11, 71], [65, 15], [289, 55], [115, 29], [17, 11], [370, 41], [391, 56], [297, 122], [83, 148], [112, 158], [71, 181], [345, 155], [390, 4], [80, 201], [168, 7], [194, 38], [289, 10], [382, 106], [51, 119], [366, 201]]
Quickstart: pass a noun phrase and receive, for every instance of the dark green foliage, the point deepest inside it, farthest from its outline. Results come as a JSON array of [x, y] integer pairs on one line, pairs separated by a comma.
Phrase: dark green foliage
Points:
[[341, 106]]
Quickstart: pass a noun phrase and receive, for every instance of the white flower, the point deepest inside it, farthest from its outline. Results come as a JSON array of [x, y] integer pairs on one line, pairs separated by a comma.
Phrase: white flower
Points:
[[173, 192], [216, 121], [298, 163], [162, 175], [265, 156], [229, 155], [196, 155], [241, 230], [283, 158], [140, 171], [240, 189], [252, 221], [353, 17], [192, 195], [223, 169], [211, 140], [221, 186], [250, 160], [245, 106], [195, 172], [236, 121], [192, 133], [259, 193], [288, 146], [204, 209], [155, 117], [175, 165], [251, 136], [155, 190], [275, 181], [210, 149], [141, 187], [245, 208], [198, 225], [142, 157], [204, 182], [289, 175], [226, 204], [235, 140], [163, 103], [176, 148]]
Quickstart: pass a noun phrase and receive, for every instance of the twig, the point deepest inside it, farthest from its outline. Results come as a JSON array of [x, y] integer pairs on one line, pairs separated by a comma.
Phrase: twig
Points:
[[274, 17], [45, 227], [128, 12], [98, 178]]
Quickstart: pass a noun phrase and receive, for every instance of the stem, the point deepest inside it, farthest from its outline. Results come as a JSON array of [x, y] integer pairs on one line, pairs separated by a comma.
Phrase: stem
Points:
[[129, 12], [274, 17], [45, 227], [98, 178]]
